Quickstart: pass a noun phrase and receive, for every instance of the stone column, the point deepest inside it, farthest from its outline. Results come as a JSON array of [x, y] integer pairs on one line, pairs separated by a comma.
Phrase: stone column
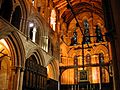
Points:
[[17, 78], [15, 74], [21, 78], [12, 85]]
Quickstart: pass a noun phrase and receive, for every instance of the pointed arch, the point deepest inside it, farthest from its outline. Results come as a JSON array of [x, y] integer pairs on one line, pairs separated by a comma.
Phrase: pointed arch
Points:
[[37, 54], [100, 48], [53, 70], [16, 17], [17, 49], [34, 74], [6, 9], [14, 42], [17, 52], [38, 32], [24, 14], [67, 77], [5, 65]]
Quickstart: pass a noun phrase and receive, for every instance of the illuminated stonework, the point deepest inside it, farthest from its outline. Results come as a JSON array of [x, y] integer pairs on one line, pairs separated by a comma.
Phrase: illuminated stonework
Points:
[[5, 65], [97, 43]]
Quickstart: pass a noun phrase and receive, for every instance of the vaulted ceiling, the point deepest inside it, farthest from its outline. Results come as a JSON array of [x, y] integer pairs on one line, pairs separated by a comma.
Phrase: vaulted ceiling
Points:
[[74, 12], [78, 6]]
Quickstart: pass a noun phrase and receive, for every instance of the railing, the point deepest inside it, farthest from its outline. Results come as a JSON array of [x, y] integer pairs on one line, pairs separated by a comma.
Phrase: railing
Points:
[[86, 86]]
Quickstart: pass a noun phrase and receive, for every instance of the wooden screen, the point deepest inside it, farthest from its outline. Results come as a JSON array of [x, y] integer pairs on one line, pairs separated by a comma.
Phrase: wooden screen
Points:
[[35, 76], [52, 84]]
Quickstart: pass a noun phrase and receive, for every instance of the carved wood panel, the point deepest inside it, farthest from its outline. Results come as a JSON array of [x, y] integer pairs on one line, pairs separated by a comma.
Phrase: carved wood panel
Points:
[[35, 76]]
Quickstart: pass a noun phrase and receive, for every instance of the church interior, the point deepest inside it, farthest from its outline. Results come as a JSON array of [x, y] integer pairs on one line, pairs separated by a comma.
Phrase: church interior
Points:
[[59, 45]]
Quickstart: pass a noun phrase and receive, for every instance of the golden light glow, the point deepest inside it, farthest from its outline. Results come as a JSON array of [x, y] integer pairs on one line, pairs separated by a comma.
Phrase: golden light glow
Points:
[[95, 75], [53, 19], [68, 52], [50, 72], [2, 41], [5, 67], [67, 77]]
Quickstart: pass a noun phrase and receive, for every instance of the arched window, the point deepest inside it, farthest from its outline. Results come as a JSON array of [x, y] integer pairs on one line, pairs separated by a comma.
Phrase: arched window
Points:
[[88, 59], [98, 34], [53, 19], [16, 17], [74, 38], [33, 2], [86, 38], [103, 72], [6, 9], [89, 69], [101, 58], [32, 31]]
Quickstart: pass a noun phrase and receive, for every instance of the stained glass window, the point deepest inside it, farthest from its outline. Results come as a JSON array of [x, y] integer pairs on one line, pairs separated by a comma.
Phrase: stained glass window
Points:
[[101, 58], [98, 34], [86, 38], [88, 59]]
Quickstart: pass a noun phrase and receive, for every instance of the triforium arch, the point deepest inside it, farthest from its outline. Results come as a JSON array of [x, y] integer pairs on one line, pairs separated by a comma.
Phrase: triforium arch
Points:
[[37, 31], [35, 22], [6, 9], [14, 12], [25, 9], [16, 17]]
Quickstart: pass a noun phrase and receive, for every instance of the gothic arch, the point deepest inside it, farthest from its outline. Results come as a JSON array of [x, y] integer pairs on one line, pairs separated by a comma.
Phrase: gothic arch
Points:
[[40, 28], [100, 48], [53, 69], [35, 74], [64, 77], [17, 53], [6, 9], [37, 54], [16, 17], [24, 14], [5, 65], [17, 49], [14, 43], [50, 71]]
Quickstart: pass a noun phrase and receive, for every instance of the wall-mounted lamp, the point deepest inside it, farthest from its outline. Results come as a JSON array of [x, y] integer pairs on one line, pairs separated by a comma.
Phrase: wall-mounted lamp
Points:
[[31, 24]]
